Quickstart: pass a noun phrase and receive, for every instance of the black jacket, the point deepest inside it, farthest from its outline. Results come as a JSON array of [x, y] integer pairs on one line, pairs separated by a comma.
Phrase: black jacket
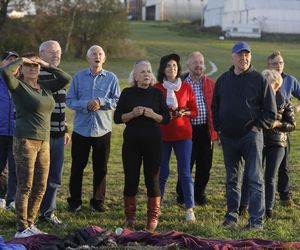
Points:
[[242, 103], [278, 137]]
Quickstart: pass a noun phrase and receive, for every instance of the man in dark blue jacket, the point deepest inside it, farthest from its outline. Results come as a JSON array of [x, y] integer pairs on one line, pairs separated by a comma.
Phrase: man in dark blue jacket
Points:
[[6, 137], [243, 105]]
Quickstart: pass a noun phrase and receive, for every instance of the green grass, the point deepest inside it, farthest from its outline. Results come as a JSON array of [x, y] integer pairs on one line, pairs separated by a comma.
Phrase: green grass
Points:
[[157, 39]]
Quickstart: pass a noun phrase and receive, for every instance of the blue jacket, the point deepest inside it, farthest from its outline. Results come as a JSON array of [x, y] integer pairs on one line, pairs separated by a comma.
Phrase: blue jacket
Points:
[[290, 87], [7, 110]]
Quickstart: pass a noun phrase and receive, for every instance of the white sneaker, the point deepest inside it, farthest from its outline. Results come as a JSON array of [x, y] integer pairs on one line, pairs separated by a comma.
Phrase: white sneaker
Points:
[[35, 230], [25, 233], [190, 216], [2, 203], [11, 206]]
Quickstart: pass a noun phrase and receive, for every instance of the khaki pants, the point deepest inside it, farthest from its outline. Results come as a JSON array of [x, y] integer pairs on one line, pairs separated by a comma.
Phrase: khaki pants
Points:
[[32, 158]]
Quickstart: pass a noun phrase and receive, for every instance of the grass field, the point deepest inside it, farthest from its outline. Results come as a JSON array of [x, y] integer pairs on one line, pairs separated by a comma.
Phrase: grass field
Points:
[[153, 40]]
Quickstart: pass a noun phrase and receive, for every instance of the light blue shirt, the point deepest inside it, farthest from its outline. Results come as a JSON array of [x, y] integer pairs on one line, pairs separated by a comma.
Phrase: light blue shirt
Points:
[[86, 87], [290, 87]]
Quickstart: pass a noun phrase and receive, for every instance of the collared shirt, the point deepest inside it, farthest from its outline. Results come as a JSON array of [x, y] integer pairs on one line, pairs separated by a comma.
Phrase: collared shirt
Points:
[[290, 87], [86, 87], [202, 111]]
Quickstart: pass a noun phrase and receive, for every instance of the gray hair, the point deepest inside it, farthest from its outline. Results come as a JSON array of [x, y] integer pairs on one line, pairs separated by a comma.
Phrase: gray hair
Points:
[[89, 51], [131, 80], [195, 53], [44, 45]]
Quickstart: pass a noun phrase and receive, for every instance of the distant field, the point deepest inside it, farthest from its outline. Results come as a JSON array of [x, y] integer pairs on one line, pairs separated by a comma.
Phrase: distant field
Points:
[[156, 39]]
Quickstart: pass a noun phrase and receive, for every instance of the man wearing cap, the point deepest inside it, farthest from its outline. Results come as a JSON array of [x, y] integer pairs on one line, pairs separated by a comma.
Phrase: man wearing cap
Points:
[[6, 136], [243, 105]]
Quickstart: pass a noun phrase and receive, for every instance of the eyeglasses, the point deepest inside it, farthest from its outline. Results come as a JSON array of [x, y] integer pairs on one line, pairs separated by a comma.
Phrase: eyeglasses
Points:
[[280, 63]]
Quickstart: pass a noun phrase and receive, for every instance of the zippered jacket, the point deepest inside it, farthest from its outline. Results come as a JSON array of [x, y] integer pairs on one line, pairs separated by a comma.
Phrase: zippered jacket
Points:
[[7, 111]]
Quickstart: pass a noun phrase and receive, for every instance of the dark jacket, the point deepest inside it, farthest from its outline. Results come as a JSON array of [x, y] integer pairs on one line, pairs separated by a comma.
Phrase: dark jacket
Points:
[[242, 103], [7, 110], [278, 137]]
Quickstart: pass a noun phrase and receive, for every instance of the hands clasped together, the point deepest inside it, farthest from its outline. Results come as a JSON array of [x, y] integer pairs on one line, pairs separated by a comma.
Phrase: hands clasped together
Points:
[[140, 110]]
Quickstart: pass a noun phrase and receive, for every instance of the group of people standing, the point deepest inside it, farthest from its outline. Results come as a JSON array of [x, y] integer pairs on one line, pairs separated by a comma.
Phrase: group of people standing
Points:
[[185, 112], [253, 117]]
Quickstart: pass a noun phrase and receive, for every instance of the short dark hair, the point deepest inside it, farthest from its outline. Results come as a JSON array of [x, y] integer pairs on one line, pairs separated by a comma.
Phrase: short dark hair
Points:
[[273, 55], [163, 64]]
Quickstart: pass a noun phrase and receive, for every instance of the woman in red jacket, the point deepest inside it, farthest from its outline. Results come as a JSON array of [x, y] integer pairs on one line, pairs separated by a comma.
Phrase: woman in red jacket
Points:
[[177, 134]]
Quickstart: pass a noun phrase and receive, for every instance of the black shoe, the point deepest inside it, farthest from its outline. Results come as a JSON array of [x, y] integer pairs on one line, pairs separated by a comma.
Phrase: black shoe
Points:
[[253, 227], [97, 205], [202, 201], [74, 206], [229, 224], [180, 200], [269, 213]]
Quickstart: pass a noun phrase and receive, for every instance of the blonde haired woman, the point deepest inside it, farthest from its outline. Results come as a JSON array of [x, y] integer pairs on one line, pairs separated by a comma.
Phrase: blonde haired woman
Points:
[[142, 108], [34, 104], [276, 139]]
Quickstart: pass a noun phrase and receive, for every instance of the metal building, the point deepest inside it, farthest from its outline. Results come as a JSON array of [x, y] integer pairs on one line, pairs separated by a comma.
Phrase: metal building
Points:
[[272, 16], [173, 10]]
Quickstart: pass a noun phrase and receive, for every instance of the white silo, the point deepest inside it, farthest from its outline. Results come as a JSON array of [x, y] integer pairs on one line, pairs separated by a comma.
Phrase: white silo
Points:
[[173, 10]]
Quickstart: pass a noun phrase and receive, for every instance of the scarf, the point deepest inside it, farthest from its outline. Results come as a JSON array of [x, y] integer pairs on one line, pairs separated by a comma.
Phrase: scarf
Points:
[[171, 97]]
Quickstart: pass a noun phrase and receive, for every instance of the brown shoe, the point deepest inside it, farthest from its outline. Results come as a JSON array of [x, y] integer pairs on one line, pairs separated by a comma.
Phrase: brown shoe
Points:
[[153, 210], [287, 203], [129, 210]]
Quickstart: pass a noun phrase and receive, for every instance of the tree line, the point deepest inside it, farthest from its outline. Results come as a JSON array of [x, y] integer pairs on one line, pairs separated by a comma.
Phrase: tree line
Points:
[[75, 24]]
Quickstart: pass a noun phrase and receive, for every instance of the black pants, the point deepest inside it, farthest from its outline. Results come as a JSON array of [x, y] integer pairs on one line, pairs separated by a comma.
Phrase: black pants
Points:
[[202, 153], [283, 186], [80, 154], [135, 151]]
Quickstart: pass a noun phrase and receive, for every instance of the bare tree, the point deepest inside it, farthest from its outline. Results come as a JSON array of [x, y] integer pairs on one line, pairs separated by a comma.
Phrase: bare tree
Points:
[[3, 12]]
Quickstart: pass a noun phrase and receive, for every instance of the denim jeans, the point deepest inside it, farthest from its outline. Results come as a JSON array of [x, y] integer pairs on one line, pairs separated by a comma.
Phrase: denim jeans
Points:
[[283, 187], [274, 156], [32, 164], [202, 153], [249, 147], [48, 205], [8, 185], [183, 151]]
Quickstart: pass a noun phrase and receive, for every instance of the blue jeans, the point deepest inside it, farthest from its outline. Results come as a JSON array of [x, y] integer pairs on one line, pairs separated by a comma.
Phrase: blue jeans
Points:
[[249, 147], [183, 151], [7, 186], [283, 187], [48, 205], [274, 156]]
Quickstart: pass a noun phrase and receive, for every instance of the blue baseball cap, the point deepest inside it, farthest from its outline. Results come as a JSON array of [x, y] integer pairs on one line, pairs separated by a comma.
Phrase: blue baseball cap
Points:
[[240, 46]]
